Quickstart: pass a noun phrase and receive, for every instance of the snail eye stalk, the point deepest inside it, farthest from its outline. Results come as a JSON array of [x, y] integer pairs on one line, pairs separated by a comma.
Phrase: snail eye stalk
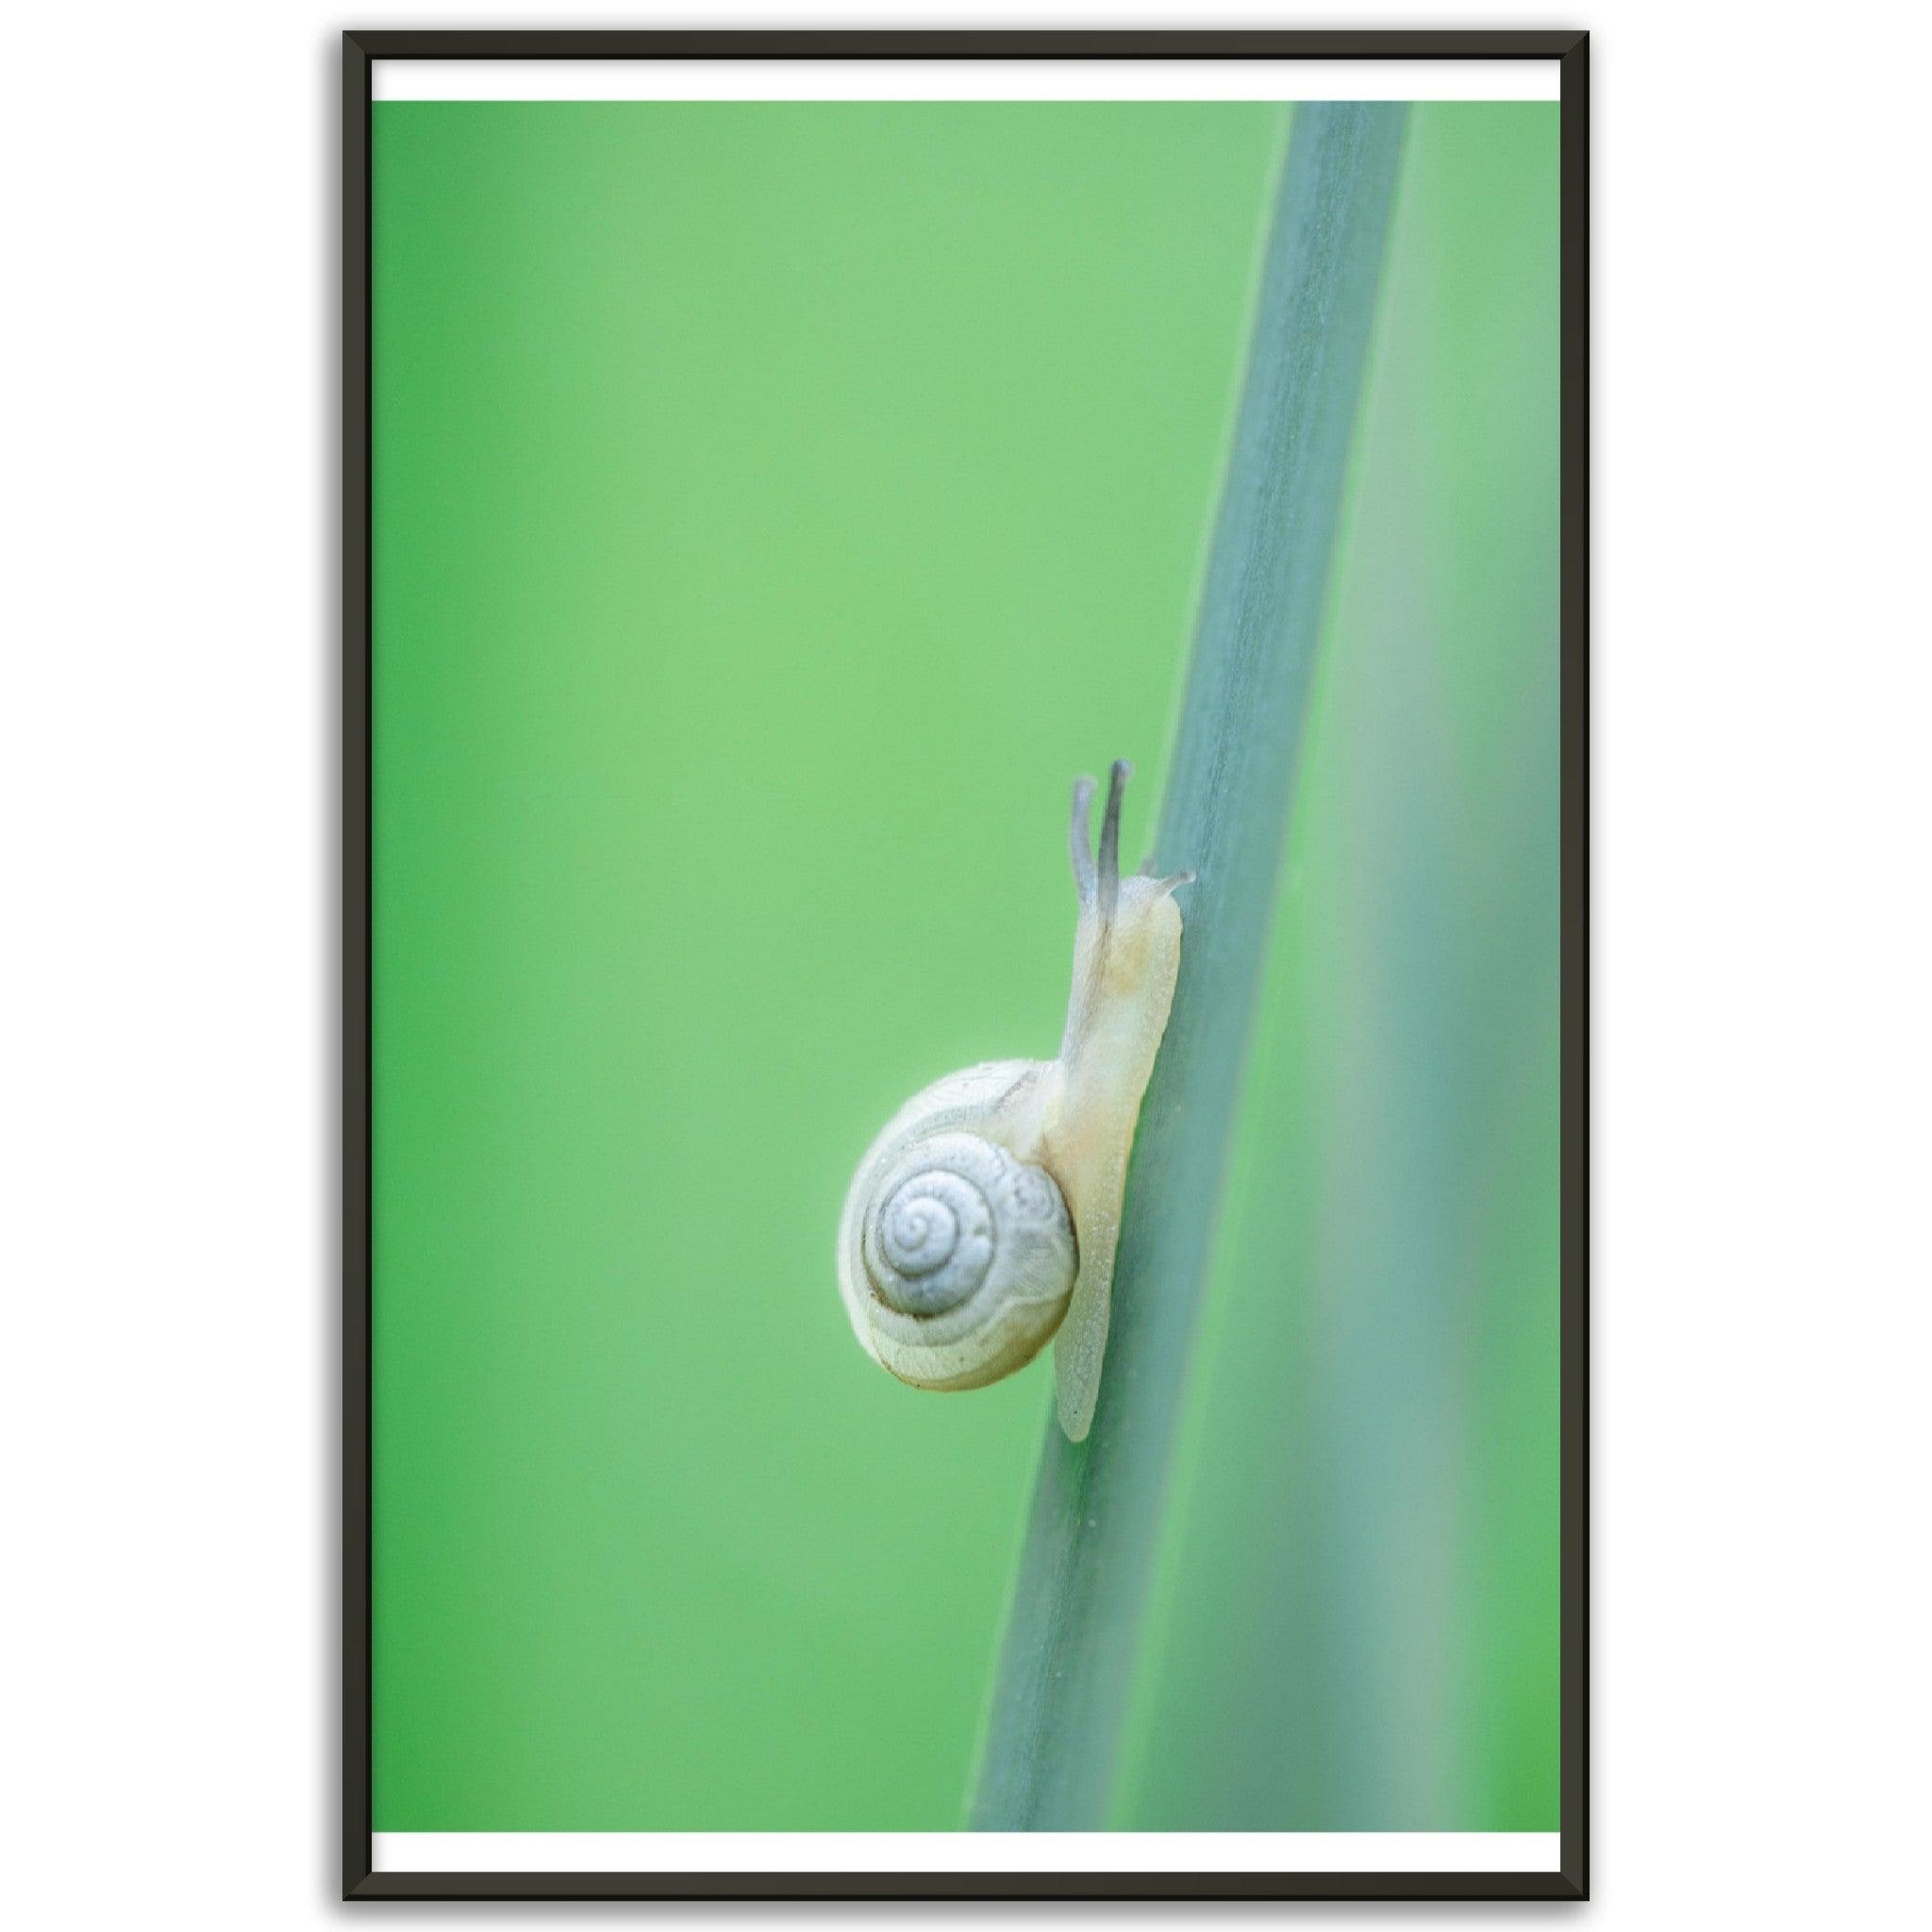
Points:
[[1080, 840], [1110, 891]]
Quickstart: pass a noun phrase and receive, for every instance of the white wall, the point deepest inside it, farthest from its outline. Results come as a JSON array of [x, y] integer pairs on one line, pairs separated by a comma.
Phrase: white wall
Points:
[[166, 759]]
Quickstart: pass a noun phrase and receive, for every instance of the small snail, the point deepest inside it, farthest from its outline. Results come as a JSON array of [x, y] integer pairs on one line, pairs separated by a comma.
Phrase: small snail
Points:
[[983, 1221]]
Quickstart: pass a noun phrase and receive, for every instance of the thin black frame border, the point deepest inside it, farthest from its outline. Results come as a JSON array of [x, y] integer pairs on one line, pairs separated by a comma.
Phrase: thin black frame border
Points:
[[1571, 50]]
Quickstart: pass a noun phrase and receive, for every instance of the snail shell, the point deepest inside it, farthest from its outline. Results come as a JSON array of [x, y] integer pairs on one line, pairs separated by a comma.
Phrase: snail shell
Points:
[[966, 1252], [986, 1214]]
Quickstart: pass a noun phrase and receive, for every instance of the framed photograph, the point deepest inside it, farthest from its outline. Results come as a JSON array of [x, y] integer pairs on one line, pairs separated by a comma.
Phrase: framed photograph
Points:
[[965, 911]]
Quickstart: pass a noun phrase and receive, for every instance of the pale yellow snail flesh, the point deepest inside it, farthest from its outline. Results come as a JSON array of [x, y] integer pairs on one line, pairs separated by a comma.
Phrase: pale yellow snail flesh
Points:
[[983, 1221]]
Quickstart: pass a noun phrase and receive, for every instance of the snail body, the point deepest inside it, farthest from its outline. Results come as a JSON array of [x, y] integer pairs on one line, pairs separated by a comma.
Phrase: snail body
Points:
[[982, 1221]]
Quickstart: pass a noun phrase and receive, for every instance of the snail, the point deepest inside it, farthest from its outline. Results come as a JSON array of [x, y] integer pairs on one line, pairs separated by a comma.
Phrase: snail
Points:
[[982, 1223]]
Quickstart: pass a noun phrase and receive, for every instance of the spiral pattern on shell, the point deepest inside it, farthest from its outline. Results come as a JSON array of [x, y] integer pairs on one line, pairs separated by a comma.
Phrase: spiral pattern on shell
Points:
[[936, 1239], [968, 1257]]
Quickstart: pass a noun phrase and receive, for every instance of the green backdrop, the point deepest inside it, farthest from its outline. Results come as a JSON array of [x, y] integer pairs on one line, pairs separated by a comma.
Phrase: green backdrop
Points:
[[776, 505]]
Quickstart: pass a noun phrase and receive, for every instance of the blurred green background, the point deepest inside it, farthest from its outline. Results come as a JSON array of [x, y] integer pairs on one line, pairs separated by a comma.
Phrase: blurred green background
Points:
[[776, 505]]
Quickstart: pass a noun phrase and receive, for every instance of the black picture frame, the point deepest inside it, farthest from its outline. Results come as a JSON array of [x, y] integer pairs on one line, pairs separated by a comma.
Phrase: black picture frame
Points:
[[1571, 50]]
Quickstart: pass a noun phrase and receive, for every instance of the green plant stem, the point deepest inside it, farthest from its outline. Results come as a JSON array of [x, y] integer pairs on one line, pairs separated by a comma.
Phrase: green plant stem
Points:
[[1066, 1666]]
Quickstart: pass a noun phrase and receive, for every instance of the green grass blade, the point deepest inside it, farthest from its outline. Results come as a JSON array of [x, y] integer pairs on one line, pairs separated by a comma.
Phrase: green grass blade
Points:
[[1066, 1667]]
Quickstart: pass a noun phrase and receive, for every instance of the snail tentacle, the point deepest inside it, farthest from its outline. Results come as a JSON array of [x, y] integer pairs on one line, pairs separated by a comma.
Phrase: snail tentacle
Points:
[[1086, 880], [1109, 892]]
